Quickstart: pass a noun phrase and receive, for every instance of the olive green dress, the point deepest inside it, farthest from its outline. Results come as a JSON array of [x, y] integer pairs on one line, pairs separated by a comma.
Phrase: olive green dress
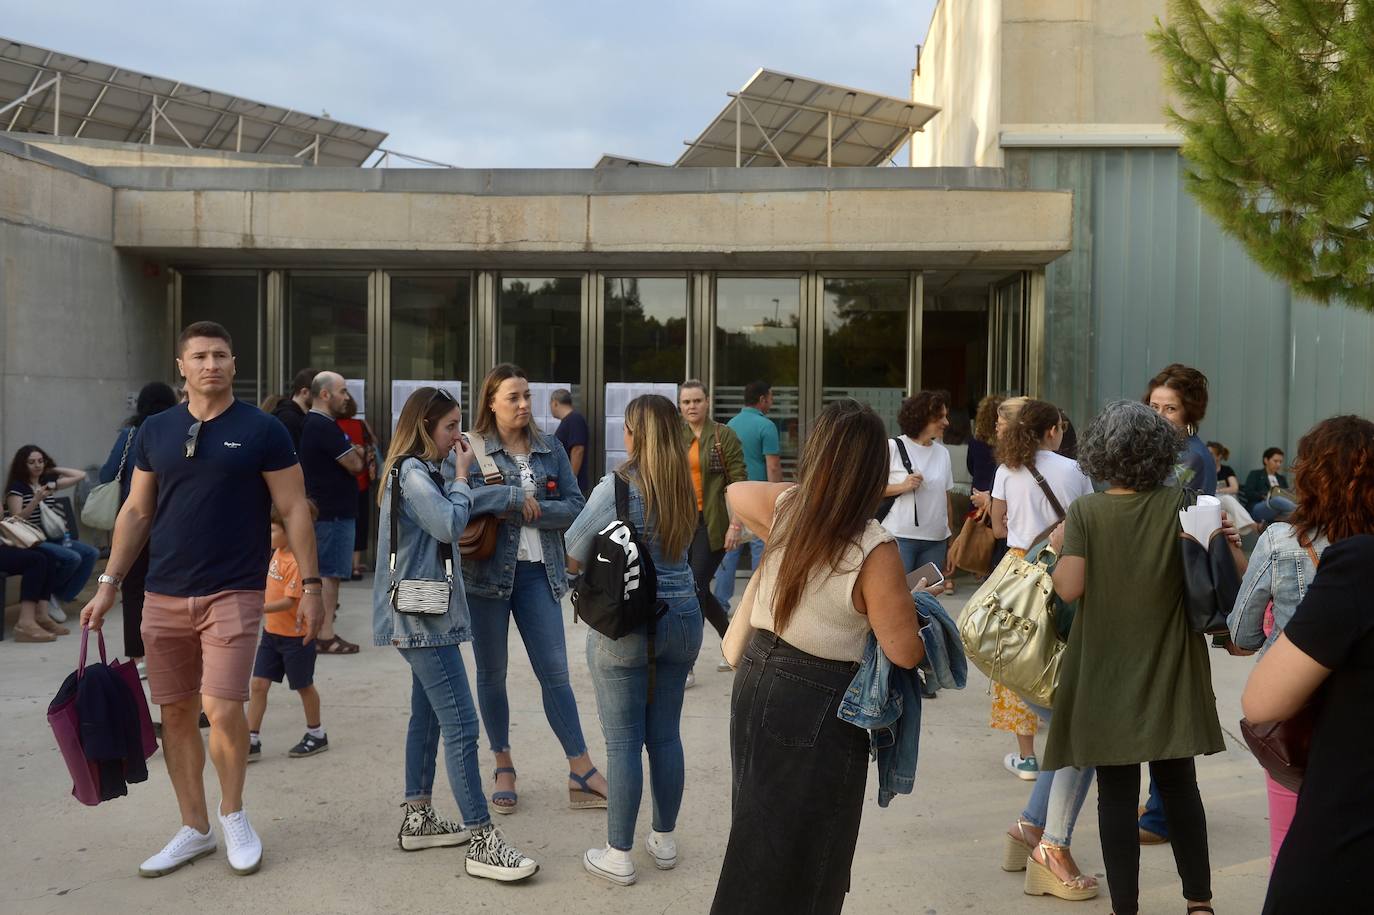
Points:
[[1136, 682]]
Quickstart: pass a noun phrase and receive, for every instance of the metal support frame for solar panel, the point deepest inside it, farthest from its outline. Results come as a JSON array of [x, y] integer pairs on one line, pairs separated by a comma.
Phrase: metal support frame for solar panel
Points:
[[781, 120], [46, 91]]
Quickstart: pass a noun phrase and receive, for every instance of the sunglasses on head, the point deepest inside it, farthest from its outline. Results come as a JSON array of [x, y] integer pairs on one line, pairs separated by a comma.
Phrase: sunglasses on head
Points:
[[192, 436], [439, 394]]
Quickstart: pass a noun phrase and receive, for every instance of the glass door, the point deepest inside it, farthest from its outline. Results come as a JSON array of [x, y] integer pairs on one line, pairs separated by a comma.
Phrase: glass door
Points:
[[757, 337], [233, 300], [430, 330], [864, 342], [539, 328], [327, 327]]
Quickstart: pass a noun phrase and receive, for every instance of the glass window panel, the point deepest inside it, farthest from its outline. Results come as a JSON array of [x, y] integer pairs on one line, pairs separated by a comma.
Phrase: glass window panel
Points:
[[645, 329], [327, 326], [864, 349], [758, 323], [431, 324], [233, 302], [539, 326]]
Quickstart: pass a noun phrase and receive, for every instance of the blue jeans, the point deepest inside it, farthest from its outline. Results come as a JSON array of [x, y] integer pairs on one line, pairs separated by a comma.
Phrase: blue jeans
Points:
[[916, 553], [441, 706], [540, 620], [724, 587], [1057, 797], [1152, 820], [1273, 509], [632, 723], [72, 567]]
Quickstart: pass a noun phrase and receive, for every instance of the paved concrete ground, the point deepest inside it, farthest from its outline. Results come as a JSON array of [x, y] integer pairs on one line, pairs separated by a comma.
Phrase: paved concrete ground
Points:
[[329, 823]]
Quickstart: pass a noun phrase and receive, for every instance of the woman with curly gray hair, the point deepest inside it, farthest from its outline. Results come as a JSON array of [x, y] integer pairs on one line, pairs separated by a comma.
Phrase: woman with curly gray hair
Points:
[[1136, 683]]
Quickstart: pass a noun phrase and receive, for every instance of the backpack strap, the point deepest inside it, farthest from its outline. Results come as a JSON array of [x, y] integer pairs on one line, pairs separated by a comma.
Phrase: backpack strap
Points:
[[491, 474], [906, 462], [622, 498]]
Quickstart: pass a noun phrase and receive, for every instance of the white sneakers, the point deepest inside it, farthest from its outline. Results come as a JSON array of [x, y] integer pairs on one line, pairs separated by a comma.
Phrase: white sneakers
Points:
[[186, 846], [55, 611], [242, 844], [243, 847], [662, 847], [610, 864], [615, 865]]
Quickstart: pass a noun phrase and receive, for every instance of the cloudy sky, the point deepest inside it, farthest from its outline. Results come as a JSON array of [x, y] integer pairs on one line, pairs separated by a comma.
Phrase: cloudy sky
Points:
[[504, 84]]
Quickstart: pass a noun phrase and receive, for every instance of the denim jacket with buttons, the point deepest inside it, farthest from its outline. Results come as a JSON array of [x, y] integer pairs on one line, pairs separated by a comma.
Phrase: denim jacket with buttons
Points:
[[886, 699], [1280, 570], [495, 577], [429, 516], [674, 574]]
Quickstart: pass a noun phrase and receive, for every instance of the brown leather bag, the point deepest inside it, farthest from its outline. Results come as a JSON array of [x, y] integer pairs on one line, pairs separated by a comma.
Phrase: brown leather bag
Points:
[[972, 549], [478, 541]]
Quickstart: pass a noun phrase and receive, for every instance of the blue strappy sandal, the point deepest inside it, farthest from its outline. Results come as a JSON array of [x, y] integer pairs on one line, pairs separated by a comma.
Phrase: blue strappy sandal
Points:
[[586, 797], [504, 801]]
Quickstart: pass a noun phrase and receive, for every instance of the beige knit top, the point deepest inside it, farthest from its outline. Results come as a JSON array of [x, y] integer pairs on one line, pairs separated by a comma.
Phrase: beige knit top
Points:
[[825, 622]]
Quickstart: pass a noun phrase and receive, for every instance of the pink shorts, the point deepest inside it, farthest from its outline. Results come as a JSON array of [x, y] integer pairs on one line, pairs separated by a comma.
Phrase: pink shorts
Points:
[[201, 645]]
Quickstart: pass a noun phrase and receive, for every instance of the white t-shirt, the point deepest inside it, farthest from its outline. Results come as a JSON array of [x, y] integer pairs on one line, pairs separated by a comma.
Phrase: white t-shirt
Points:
[[923, 514], [531, 549], [1029, 512]]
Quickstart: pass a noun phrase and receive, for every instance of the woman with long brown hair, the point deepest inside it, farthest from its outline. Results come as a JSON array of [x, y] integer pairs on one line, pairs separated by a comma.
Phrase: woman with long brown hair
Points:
[[830, 575], [536, 499], [425, 504], [661, 504], [1334, 481]]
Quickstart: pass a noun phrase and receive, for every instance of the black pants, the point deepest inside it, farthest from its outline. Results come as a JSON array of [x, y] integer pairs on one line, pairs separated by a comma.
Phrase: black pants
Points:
[[797, 794], [131, 592], [1118, 797], [35, 566], [364, 527], [704, 562]]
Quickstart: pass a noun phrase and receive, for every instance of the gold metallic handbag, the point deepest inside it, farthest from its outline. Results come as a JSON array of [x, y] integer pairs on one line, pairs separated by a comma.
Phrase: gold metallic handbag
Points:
[[1008, 628]]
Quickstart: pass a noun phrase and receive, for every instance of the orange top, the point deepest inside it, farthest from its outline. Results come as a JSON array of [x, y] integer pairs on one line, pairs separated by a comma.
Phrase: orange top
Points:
[[283, 580], [694, 461]]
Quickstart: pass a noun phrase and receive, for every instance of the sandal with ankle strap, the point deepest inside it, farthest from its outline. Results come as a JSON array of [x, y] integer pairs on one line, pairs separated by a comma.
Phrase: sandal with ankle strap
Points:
[[586, 797], [1017, 847], [504, 801], [1041, 881]]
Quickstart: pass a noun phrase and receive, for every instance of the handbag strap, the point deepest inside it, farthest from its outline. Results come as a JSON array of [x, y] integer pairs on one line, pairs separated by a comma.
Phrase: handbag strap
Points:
[[1049, 493], [133, 430], [491, 474], [720, 455], [100, 645], [445, 549], [906, 462]]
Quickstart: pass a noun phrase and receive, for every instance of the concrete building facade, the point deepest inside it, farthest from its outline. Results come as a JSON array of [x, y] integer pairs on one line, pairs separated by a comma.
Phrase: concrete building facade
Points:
[[1067, 94]]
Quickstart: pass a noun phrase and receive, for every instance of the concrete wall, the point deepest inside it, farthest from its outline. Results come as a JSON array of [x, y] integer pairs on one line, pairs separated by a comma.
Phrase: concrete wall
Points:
[[83, 326], [960, 72], [1036, 68], [107, 153]]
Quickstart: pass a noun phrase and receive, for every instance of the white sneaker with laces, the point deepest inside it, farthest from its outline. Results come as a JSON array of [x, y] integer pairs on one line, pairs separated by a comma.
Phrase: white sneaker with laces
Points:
[[1025, 768], [610, 864], [55, 611], [724, 665], [242, 845], [186, 846], [662, 847], [491, 856]]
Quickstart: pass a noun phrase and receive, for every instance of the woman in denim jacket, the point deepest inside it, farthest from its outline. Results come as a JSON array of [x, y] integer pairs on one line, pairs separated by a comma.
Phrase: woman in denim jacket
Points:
[[434, 512], [662, 508], [1285, 558], [525, 578]]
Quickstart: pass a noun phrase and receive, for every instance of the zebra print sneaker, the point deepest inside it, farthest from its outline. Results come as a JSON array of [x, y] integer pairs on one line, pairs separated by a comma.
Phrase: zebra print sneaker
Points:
[[424, 828], [491, 856]]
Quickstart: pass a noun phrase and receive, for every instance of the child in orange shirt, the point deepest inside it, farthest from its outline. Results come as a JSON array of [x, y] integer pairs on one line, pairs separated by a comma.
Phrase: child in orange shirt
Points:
[[281, 652]]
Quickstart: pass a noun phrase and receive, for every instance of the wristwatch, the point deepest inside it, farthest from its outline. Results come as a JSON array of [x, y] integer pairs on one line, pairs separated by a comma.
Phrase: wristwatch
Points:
[[115, 580]]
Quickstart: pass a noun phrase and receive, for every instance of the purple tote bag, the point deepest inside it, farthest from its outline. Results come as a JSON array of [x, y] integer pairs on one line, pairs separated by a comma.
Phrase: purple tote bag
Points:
[[66, 724]]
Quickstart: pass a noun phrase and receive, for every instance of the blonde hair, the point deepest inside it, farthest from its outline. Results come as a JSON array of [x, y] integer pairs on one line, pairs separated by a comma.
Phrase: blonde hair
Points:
[[1010, 408], [424, 408], [659, 468]]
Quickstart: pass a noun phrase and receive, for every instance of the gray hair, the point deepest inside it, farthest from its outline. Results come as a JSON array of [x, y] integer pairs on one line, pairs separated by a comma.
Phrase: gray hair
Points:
[[691, 383], [561, 396], [1131, 446]]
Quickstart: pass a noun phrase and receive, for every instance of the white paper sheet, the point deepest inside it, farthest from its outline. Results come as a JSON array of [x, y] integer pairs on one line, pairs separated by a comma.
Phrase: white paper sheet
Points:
[[1202, 520]]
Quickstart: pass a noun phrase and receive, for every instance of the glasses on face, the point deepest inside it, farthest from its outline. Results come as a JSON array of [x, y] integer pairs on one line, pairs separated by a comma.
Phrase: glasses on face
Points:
[[192, 436]]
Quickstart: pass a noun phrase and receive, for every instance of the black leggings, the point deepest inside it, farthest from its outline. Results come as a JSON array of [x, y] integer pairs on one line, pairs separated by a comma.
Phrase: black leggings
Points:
[[1118, 797], [704, 562]]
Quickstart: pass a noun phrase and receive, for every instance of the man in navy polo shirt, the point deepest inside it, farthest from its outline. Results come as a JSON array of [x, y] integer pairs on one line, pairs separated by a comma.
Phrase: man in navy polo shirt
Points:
[[206, 474], [331, 463]]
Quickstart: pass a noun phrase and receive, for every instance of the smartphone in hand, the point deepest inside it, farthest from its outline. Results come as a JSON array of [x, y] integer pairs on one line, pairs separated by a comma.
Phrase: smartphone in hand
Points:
[[930, 572]]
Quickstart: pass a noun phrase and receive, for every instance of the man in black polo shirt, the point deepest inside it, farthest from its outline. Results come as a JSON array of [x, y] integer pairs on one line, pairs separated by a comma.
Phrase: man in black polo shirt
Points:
[[291, 410], [331, 463], [206, 474]]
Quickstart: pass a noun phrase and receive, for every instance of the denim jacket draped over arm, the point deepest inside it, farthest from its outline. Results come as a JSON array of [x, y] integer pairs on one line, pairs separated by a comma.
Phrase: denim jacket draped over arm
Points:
[[1281, 570]]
